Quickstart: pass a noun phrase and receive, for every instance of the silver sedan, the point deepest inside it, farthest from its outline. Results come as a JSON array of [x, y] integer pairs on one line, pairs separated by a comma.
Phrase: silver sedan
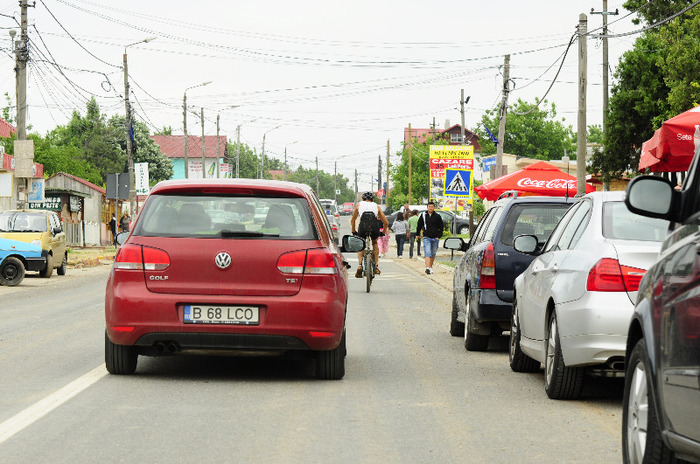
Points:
[[573, 304]]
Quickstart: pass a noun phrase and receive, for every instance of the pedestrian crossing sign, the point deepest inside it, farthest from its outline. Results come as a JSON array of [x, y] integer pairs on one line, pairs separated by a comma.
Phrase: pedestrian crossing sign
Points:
[[458, 183]]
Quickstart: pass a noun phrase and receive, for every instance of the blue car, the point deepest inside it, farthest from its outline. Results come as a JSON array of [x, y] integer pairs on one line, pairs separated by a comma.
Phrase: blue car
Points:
[[16, 257]]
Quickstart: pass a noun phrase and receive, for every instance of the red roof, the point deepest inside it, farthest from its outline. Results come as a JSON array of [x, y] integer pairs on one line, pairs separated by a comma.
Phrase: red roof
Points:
[[82, 181], [173, 146], [6, 129], [420, 135]]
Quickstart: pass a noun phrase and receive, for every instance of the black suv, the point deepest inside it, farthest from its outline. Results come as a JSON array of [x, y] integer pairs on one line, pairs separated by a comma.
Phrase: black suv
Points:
[[483, 279], [661, 403]]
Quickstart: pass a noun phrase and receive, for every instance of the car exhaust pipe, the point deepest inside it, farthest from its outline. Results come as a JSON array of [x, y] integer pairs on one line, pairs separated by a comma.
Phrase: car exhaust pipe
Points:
[[617, 363], [173, 348], [160, 347]]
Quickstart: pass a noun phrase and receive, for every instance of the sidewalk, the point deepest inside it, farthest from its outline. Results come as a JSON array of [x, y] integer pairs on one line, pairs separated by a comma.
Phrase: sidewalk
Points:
[[443, 274]]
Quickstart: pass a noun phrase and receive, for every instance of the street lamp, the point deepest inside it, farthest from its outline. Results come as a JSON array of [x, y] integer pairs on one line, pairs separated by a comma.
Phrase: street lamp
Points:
[[129, 132], [262, 159], [218, 155], [285, 157], [184, 115]]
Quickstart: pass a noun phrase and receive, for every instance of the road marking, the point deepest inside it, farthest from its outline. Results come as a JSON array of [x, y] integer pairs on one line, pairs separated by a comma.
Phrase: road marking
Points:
[[24, 419]]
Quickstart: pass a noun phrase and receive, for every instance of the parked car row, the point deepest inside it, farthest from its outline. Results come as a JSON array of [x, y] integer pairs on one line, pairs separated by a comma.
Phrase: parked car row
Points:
[[596, 286], [42, 230]]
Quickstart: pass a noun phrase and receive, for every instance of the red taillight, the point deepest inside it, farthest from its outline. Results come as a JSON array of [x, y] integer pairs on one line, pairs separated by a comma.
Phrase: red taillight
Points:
[[608, 276], [155, 259], [129, 257], [136, 257], [334, 227], [320, 261], [487, 279], [292, 263], [314, 261]]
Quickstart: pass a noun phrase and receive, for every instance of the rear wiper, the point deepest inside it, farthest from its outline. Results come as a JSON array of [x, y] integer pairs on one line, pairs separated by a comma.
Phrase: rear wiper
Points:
[[240, 233]]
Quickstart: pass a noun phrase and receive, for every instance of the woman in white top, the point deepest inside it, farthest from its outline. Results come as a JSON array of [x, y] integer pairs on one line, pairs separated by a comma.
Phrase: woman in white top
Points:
[[365, 209], [402, 231]]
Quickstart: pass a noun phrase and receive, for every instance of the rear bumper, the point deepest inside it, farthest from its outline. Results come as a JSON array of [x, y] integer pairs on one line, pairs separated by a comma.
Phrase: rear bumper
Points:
[[488, 307], [594, 328], [312, 319]]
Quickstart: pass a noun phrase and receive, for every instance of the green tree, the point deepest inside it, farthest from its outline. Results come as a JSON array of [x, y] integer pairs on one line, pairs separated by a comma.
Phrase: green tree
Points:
[[420, 173], [160, 167], [535, 134], [326, 182], [248, 162], [64, 158], [7, 110], [653, 12]]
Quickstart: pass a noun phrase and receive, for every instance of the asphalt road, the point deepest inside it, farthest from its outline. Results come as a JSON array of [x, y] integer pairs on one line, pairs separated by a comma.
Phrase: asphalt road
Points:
[[411, 392]]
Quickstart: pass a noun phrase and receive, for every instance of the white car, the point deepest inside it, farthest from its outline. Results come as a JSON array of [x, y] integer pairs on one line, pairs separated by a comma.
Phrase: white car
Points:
[[574, 303]]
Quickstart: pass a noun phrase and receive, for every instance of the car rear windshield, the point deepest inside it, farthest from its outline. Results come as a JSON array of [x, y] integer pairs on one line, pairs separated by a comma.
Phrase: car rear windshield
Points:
[[13, 221], [539, 220], [226, 217], [621, 223]]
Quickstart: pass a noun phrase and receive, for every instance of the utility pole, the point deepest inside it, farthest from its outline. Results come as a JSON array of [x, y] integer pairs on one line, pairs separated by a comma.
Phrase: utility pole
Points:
[[355, 184], [581, 126], [317, 185], [387, 172], [335, 177], [129, 143], [24, 161], [605, 13], [379, 172], [410, 162], [238, 149], [204, 163], [433, 127], [504, 112], [184, 126], [218, 145], [462, 103], [285, 162]]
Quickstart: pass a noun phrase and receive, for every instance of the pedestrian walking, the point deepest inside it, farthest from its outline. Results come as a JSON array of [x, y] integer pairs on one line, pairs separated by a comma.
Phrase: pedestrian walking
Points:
[[430, 227], [401, 232], [413, 235], [113, 228], [383, 240], [124, 222]]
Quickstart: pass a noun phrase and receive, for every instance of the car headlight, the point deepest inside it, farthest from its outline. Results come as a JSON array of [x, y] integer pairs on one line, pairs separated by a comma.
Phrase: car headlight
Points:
[[36, 242]]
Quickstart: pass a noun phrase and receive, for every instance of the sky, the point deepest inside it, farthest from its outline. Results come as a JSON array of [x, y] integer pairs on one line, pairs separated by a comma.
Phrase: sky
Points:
[[329, 80]]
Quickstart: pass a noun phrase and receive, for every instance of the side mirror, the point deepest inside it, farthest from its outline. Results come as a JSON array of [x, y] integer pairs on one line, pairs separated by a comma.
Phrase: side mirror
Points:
[[651, 196], [455, 243], [121, 237], [525, 244], [351, 243], [56, 230]]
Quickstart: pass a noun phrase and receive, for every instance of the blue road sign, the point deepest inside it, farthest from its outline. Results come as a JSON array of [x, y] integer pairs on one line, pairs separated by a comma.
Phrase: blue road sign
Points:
[[458, 182]]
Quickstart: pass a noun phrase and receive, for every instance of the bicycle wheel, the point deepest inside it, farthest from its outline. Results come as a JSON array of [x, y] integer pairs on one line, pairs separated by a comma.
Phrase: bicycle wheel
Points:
[[368, 264]]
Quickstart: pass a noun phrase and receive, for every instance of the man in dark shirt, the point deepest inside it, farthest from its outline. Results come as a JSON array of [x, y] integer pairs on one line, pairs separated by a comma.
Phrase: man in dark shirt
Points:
[[430, 228]]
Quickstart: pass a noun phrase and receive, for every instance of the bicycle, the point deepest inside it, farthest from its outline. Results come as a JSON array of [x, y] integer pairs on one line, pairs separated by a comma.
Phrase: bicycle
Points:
[[368, 262]]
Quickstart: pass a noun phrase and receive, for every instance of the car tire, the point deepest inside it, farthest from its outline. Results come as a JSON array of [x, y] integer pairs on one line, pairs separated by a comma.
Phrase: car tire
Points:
[[519, 361], [330, 365], [472, 341], [64, 266], [560, 382], [11, 271], [120, 359], [641, 437], [456, 327], [48, 270], [464, 230]]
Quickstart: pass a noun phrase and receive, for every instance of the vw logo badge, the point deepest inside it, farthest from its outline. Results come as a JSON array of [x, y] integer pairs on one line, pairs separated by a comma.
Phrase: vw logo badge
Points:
[[223, 260]]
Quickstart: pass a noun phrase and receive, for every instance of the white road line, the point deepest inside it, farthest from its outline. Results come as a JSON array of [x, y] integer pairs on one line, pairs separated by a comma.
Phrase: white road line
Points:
[[24, 419]]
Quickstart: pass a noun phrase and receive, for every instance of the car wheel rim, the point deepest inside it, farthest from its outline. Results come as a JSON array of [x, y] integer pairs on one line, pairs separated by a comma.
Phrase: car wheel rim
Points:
[[551, 343], [637, 414]]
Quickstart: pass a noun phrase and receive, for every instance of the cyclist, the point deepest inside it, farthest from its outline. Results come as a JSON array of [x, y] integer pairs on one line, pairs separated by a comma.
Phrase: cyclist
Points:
[[370, 214]]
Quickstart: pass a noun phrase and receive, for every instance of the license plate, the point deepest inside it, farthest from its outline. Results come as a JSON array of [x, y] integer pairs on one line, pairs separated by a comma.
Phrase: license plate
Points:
[[206, 314]]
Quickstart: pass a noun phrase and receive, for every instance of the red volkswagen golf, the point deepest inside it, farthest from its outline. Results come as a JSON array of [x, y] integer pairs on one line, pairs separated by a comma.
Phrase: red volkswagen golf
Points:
[[235, 266]]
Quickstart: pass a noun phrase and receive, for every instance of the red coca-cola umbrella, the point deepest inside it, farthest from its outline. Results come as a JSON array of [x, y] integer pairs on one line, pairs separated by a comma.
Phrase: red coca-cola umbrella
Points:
[[540, 178], [673, 145]]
